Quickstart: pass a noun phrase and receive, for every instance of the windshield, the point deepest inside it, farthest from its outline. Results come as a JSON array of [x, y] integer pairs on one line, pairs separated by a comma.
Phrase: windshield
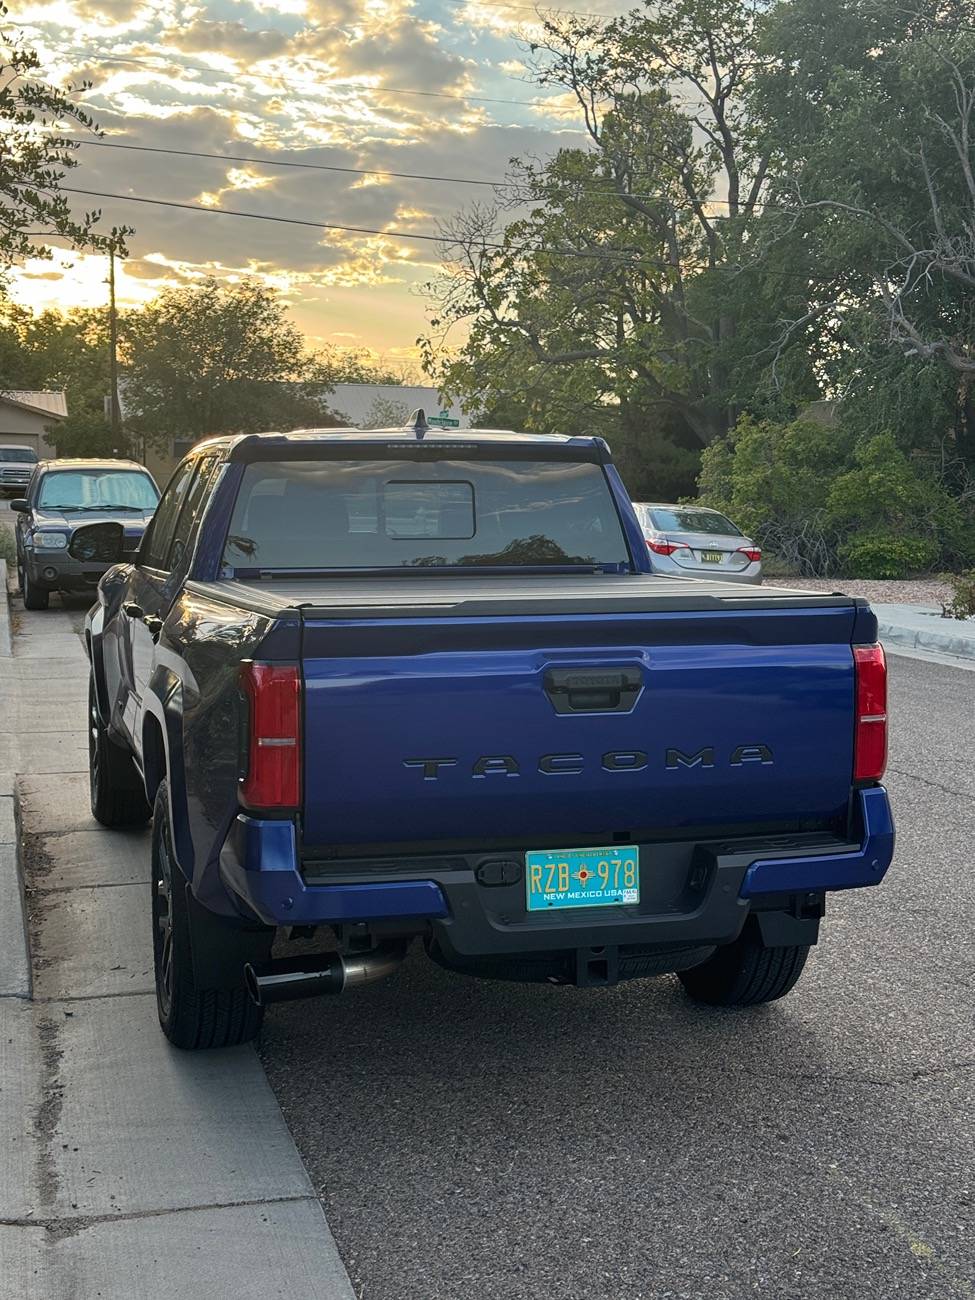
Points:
[[339, 514], [22, 455], [98, 489], [693, 521]]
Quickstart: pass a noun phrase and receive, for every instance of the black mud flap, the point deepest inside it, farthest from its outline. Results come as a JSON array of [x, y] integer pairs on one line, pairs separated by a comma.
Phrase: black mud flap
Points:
[[222, 947]]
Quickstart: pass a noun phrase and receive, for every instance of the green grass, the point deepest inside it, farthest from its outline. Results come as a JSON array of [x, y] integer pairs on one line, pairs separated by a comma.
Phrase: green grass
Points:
[[8, 550]]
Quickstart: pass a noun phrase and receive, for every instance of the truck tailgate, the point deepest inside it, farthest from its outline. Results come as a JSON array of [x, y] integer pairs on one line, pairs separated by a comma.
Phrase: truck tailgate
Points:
[[562, 728]]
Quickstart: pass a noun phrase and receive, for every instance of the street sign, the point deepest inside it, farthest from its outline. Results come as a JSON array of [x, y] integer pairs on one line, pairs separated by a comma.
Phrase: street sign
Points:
[[443, 421]]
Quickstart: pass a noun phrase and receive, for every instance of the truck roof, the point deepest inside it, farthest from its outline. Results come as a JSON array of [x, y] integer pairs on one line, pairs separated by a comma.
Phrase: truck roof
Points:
[[262, 446]]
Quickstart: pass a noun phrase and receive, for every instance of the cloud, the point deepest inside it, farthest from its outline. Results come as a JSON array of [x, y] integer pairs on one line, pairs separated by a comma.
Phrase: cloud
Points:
[[232, 39], [310, 81]]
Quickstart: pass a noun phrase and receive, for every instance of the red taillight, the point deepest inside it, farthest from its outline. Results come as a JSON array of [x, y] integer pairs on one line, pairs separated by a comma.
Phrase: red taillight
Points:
[[751, 553], [666, 548], [273, 746], [870, 747]]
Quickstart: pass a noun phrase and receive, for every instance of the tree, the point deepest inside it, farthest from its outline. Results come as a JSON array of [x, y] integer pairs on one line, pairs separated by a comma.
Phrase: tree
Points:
[[216, 358], [36, 150], [869, 109], [386, 414], [604, 303], [62, 350]]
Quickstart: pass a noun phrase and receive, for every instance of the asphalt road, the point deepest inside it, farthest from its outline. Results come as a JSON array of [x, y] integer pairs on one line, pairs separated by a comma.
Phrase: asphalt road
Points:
[[473, 1140]]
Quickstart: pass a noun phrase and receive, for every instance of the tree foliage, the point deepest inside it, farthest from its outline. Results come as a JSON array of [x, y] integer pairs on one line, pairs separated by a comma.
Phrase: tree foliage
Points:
[[869, 109], [36, 152], [600, 301], [776, 205], [214, 357], [63, 351]]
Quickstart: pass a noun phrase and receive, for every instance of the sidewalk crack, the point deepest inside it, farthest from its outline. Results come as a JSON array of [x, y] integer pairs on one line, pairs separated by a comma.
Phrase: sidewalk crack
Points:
[[61, 1226]]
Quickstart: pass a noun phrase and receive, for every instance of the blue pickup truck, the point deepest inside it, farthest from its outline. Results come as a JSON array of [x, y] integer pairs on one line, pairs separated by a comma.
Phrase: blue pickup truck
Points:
[[418, 685]]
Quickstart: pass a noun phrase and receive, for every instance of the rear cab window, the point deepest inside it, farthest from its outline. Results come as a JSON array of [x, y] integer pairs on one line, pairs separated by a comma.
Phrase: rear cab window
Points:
[[381, 513], [693, 521]]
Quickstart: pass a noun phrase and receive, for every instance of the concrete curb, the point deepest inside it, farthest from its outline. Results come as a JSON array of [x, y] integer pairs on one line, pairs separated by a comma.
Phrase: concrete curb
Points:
[[15, 968], [15, 971], [6, 642], [921, 628]]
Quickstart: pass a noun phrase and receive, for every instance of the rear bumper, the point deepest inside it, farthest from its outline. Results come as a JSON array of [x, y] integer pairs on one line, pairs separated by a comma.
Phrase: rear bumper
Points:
[[750, 575], [694, 893]]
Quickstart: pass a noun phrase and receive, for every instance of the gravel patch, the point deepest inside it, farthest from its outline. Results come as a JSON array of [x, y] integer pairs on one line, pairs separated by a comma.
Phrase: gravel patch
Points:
[[908, 591]]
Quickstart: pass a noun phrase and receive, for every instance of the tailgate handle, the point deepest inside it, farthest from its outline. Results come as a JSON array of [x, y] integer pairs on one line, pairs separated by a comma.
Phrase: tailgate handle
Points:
[[593, 690]]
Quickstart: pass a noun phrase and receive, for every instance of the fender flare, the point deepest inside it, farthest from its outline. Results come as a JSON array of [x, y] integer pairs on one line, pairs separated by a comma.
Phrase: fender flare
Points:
[[94, 626], [162, 702]]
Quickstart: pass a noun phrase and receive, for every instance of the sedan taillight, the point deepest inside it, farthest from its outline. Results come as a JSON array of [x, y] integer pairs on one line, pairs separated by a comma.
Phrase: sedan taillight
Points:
[[870, 737], [751, 553], [273, 777], [666, 548]]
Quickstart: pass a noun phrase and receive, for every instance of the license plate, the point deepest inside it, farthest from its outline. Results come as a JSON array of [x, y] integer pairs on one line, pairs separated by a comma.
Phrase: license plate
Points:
[[711, 557], [582, 877]]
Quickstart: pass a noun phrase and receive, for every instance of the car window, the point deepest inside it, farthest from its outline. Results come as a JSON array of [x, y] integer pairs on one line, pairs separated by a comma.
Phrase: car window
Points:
[[337, 514], [97, 489], [694, 521], [160, 535], [18, 455], [193, 503]]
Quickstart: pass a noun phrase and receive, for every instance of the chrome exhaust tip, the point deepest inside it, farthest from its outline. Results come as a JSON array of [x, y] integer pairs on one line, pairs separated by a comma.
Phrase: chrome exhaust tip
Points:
[[285, 979]]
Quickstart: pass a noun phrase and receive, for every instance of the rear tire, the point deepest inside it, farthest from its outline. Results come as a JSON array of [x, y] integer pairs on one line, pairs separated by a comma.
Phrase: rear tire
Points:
[[191, 1017], [34, 597], [118, 797], [745, 973]]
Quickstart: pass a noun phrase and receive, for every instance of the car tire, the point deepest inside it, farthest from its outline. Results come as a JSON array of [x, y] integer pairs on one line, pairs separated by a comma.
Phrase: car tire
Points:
[[745, 973], [118, 797], [34, 597], [191, 1017]]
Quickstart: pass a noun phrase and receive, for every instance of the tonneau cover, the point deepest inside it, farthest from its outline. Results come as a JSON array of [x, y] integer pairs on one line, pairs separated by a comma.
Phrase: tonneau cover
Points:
[[459, 596]]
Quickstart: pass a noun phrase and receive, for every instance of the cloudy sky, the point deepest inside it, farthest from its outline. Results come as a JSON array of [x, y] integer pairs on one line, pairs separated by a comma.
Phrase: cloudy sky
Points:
[[312, 81]]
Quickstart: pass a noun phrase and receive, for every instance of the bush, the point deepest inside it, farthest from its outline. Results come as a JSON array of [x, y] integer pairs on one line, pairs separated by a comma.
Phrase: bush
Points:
[[885, 555], [824, 503], [772, 480], [962, 603]]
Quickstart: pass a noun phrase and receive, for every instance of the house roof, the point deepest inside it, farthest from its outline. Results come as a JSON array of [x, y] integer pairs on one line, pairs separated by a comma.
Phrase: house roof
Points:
[[53, 405]]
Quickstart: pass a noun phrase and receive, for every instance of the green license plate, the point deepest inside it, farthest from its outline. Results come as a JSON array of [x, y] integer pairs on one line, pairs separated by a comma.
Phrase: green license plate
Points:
[[711, 557], [582, 877]]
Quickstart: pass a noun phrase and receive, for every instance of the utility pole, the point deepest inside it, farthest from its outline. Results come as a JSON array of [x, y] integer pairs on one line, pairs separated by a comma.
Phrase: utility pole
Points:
[[116, 412]]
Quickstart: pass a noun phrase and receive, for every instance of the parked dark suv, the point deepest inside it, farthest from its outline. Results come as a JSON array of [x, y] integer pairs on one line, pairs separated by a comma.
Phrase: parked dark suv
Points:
[[76, 518], [16, 466]]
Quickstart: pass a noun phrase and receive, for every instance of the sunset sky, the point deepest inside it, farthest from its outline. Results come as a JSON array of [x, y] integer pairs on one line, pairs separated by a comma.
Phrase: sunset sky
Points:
[[308, 81]]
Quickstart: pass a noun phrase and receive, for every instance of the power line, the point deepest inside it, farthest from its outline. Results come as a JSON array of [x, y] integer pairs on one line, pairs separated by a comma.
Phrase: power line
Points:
[[582, 254], [252, 159], [535, 9], [302, 166], [274, 80]]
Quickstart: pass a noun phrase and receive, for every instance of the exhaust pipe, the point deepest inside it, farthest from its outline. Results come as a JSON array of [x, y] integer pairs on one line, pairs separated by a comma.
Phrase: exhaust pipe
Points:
[[288, 978]]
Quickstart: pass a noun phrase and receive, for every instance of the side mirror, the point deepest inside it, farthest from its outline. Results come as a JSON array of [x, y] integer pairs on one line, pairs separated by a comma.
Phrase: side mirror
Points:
[[19, 505], [98, 543]]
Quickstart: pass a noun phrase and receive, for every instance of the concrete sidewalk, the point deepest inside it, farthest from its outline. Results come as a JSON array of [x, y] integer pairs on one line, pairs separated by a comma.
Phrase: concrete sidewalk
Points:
[[131, 1171], [921, 628]]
